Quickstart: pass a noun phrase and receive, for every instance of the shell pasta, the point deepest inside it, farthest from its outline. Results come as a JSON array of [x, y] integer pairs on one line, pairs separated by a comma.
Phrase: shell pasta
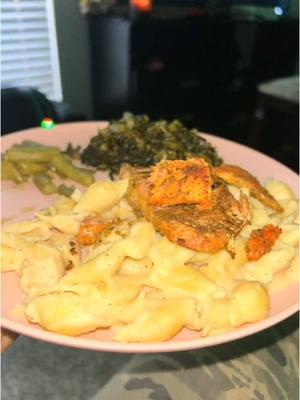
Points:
[[134, 280]]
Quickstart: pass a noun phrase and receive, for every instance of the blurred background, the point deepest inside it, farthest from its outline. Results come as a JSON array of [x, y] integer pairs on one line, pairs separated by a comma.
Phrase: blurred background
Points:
[[228, 67]]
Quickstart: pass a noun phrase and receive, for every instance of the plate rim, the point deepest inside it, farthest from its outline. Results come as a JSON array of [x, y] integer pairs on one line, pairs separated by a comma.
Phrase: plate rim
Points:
[[160, 347]]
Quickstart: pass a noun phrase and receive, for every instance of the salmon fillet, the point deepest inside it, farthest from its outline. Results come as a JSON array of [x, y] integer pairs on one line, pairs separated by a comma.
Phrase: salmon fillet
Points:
[[181, 182], [237, 176], [190, 225], [261, 241], [89, 231]]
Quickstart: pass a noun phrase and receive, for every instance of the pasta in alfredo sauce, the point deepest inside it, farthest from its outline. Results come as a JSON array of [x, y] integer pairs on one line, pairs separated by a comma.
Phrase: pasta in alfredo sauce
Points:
[[90, 262]]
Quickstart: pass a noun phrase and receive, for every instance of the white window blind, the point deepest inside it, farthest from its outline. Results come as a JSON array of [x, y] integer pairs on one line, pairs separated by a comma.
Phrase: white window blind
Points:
[[29, 55]]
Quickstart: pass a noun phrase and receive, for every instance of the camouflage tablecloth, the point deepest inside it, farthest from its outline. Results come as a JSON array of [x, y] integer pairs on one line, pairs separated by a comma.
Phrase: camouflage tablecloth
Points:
[[261, 367]]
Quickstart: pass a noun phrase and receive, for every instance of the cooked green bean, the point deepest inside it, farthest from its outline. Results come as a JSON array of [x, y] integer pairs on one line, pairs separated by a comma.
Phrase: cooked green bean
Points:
[[31, 144], [31, 159], [31, 168], [43, 155], [9, 172], [64, 166], [65, 190], [44, 183]]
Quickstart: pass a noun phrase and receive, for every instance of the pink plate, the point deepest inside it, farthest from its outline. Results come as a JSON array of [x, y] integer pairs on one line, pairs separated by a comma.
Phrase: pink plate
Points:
[[19, 202]]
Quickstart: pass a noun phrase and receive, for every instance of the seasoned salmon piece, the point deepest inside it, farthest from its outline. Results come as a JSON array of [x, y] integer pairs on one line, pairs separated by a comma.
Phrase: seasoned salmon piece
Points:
[[181, 182], [189, 224], [237, 176], [89, 231], [203, 230], [138, 187], [261, 241]]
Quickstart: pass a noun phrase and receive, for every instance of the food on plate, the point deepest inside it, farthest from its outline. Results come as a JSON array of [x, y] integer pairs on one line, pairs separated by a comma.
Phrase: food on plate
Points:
[[132, 139], [44, 183], [43, 163], [237, 176], [180, 182], [188, 202], [261, 241], [107, 258], [90, 229], [136, 140]]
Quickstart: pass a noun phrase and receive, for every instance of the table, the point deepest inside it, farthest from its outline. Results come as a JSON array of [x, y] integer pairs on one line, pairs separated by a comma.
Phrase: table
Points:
[[284, 89], [276, 121], [261, 367]]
